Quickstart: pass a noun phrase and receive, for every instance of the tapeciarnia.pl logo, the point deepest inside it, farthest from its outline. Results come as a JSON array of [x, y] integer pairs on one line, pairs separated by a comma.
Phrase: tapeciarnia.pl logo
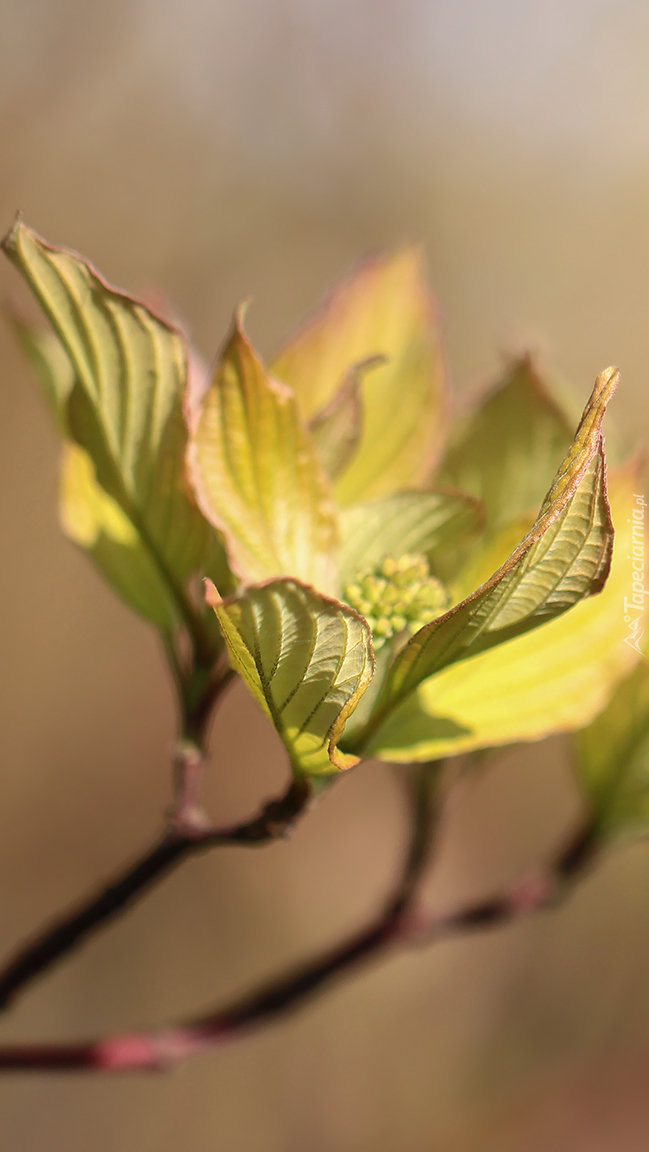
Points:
[[634, 606]]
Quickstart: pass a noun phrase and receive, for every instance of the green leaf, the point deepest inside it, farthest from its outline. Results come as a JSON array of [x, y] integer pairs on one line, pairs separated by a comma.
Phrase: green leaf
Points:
[[89, 516], [51, 366], [554, 679], [424, 522], [490, 552], [125, 408], [563, 558], [507, 453], [336, 429], [306, 659], [96, 522], [611, 759], [384, 307], [257, 476]]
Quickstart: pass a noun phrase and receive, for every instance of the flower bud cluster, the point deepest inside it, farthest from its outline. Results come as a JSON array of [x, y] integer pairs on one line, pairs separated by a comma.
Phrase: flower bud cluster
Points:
[[399, 595]]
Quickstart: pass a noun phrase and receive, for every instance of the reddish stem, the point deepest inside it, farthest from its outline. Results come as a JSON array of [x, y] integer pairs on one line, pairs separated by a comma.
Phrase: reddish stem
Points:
[[155, 1050], [398, 923], [187, 836]]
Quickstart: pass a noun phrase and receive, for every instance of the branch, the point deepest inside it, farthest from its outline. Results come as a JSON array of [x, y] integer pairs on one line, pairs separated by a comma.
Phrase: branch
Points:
[[397, 924], [188, 834]]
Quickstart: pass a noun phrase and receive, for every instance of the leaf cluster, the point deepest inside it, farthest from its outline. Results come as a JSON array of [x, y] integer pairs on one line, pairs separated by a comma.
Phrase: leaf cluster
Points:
[[274, 487]]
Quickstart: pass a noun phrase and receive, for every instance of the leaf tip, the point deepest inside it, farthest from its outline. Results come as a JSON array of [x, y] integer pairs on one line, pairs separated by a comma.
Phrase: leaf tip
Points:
[[240, 315], [605, 385], [343, 761], [212, 595], [237, 338], [9, 241], [590, 425]]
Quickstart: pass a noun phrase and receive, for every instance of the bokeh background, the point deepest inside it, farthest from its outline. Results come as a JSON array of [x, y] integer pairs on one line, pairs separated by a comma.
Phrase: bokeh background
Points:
[[225, 148]]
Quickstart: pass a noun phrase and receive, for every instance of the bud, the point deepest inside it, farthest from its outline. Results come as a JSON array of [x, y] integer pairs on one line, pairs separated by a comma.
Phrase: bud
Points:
[[399, 595]]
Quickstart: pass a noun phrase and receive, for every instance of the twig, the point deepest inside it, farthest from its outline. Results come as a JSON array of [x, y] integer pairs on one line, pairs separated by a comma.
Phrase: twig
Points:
[[153, 1050], [187, 836], [159, 1049]]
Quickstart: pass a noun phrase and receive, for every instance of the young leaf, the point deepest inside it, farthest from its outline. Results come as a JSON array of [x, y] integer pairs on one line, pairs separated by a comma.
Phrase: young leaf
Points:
[[490, 552], [384, 307], [553, 679], [88, 515], [306, 659], [125, 408], [509, 450], [563, 558], [427, 522], [94, 521], [611, 758], [51, 366], [257, 477], [336, 429]]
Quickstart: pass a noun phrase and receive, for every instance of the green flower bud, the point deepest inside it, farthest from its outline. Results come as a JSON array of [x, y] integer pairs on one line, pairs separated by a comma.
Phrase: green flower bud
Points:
[[397, 596]]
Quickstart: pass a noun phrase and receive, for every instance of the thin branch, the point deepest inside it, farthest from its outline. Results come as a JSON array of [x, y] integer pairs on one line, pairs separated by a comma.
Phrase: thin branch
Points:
[[186, 836], [153, 1050], [397, 924]]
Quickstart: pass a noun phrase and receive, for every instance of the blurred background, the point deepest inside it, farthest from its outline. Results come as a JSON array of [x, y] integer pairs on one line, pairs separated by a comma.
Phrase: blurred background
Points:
[[239, 147]]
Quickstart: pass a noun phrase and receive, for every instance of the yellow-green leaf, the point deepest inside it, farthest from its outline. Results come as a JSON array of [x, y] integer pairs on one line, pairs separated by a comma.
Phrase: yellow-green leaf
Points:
[[257, 476], [611, 758], [490, 552], [336, 429], [507, 453], [125, 408], [384, 307], [51, 367], [306, 659], [424, 522], [563, 558], [551, 680], [97, 523], [89, 516]]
